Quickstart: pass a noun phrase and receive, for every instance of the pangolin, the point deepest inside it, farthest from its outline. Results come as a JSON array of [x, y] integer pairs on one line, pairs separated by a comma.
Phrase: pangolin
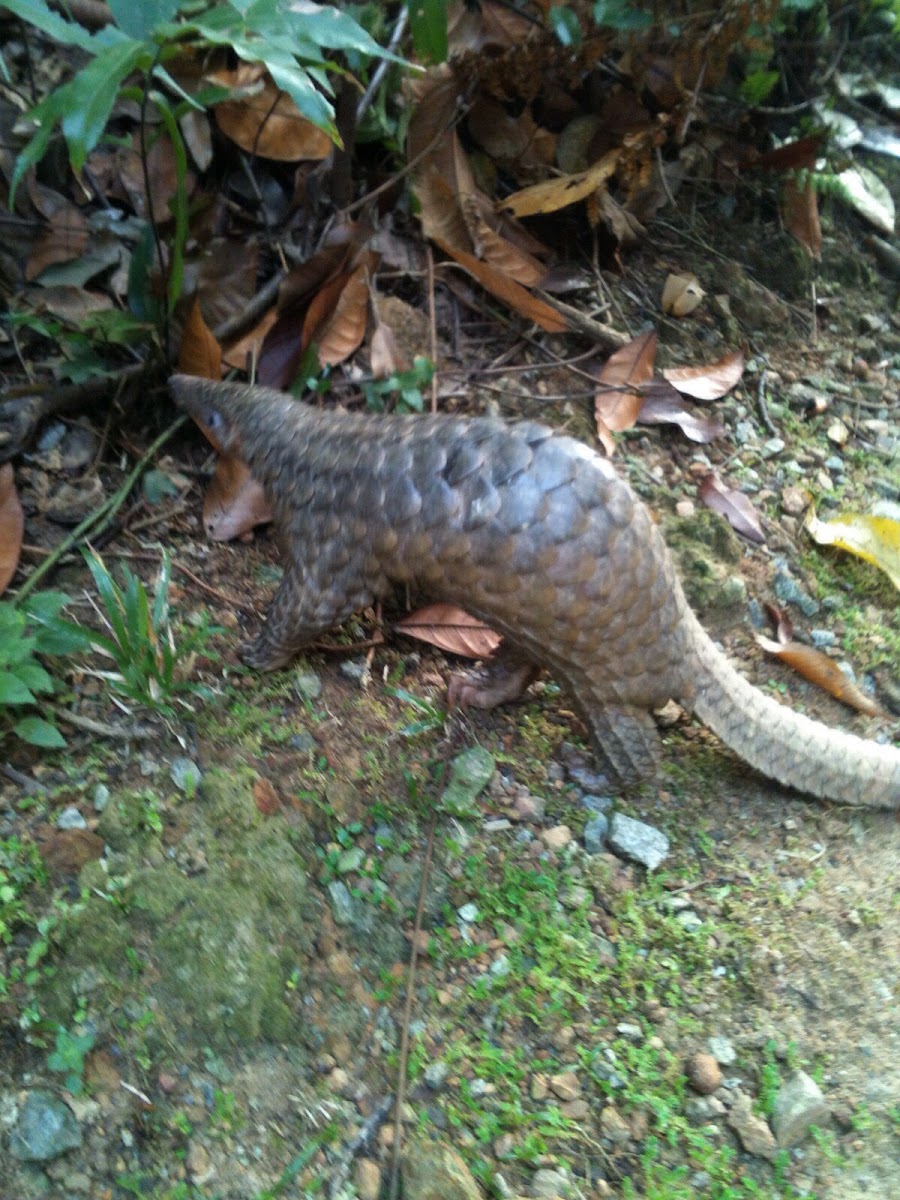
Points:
[[533, 532]]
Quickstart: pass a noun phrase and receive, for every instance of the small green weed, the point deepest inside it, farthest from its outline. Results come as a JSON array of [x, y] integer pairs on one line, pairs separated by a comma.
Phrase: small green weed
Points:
[[406, 386], [150, 666], [20, 869], [68, 1057]]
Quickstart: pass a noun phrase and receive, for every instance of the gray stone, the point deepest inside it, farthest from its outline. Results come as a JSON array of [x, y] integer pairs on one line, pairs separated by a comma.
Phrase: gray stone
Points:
[[435, 1074], [722, 1051], [550, 1185], [45, 1129], [773, 446], [303, 741], [470, 773], [185, 775], [595, 832], [700, 1110], [101, 797], [71, 818], [637, 841], [307, 685], [434, 1171], [789, 591], [823, 637], [597, 804], [342, 906], [753, 1132], [799, 1104], [468, 913]]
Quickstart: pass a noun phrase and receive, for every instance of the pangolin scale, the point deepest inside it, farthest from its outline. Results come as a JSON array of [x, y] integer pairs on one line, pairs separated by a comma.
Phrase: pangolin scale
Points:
[[536, 534]]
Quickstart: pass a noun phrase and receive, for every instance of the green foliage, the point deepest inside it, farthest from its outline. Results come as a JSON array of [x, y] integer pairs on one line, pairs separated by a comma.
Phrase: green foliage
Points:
[[405, 385], [20, 869], [27, 634], [428, 26], [140, 639], [68, 1057], [289, 39]]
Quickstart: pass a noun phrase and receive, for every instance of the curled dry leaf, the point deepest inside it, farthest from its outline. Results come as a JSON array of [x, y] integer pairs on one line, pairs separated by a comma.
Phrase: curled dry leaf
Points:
[[65, 236], [664, 406], [711, 381], [734, 506], [199, 353], [554, 194], [815, 666], [800, 213], [876, 539], [451, 628], [508, 291], [234, 503], [681, 295], [385, 354], [337, 318], [264, 120], [12, 525], [620, 394]]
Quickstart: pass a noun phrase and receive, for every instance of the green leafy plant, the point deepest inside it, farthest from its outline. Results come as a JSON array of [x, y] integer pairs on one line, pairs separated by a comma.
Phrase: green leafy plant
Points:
[[150, 666], [27, 634], [21, 868], [68, 1057], [406, 386], [127, 60]]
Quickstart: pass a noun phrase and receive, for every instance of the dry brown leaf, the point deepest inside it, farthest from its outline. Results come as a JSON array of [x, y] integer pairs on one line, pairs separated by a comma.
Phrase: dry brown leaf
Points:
[[345, 329], [63, 238], [234, 503], [681, 295], [619, 396], [12, 525], [509, 291], [516, 263], [248, 348], [226, 278], [385, 354], [800, 155], [664, 406], [265, 121], [819, 669], [554, 194], [709, 382], [800, 213], [199, 353], [734, 506], [451, 628]]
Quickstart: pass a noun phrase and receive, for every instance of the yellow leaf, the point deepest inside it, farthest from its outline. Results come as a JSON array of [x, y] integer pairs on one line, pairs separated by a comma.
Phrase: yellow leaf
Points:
[[876, 539]]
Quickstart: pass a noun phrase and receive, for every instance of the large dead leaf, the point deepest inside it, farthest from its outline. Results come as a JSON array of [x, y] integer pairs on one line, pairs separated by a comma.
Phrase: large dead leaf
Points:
[[513, 262], [554, 194], [819, 669], [65, 236], [876, 539], [264, 120], [708, 382], [664, 406], [247, 348], [342, 331], [800, 213], [200, 353], [509, 291], [734, 506], [234, 503], [385, 355], [619, 389], [12, 524], [451, 628]]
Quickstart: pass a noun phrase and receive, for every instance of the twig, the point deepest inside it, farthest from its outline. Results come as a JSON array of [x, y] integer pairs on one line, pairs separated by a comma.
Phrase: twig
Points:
[[33, 786], [375, 82], [97, 521], [402, 1067], [89, 725], [761, 403]]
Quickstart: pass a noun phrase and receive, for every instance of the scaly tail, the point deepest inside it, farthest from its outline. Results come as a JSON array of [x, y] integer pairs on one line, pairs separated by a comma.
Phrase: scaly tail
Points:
[[787, 746]]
